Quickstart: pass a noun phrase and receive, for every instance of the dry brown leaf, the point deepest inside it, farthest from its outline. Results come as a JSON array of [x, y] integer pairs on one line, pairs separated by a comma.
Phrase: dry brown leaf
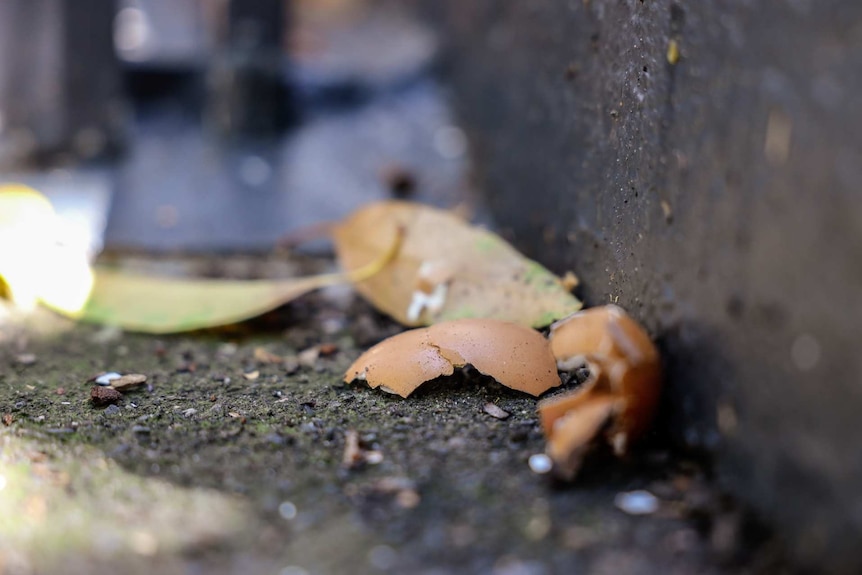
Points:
[[447, 269], [516, 356]]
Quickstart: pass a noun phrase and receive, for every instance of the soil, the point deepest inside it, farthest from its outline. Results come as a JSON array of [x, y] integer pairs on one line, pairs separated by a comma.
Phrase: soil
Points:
[[228, 462]]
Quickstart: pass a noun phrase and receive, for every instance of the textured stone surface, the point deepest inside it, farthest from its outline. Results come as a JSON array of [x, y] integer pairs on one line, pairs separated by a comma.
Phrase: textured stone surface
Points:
[[718, 199]]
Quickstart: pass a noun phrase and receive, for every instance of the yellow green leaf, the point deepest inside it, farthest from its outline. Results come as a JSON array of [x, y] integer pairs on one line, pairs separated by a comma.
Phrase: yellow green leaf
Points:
[[153, 304], [163, 305], [447, 269]]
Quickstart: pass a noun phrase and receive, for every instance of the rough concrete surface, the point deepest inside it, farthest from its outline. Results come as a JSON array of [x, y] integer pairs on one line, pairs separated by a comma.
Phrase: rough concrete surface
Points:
[[231, 459], [716, 196]]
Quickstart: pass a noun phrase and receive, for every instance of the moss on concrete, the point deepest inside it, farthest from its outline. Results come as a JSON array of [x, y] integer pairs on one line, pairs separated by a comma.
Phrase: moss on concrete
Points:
[[213, 467]]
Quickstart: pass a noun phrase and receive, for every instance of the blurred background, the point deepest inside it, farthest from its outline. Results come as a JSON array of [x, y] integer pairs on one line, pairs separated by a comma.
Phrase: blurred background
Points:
[[221, 125]]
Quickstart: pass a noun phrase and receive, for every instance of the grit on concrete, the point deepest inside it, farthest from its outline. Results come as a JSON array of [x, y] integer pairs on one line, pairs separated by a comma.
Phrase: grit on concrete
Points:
[[213, 469]]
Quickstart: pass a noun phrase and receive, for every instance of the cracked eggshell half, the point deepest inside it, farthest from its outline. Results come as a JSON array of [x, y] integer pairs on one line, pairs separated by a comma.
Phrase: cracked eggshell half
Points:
[[516, 356], [400, 364]]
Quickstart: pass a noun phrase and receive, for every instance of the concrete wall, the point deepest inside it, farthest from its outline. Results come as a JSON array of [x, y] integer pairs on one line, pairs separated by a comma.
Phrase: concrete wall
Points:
[[719, 199]]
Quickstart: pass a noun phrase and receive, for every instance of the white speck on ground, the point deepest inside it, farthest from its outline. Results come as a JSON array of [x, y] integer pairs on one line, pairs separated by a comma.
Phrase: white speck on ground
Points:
[[637, 502], [540, 463]]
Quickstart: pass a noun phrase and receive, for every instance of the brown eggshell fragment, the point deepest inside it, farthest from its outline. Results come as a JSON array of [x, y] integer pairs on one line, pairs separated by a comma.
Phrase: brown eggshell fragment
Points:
[[400, 363], [579, 336], [576, 432], [625, 366], [516, 356], [640, 392], [601, 333], [553, 408]]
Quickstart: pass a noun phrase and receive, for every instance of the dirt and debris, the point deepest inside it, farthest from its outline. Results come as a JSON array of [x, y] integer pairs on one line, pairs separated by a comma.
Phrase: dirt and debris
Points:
[[356, 453], [451, 491]]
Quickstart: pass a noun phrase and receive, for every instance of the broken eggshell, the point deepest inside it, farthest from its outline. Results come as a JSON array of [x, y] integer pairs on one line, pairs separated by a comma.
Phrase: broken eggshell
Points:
[[400, 363], [622, 391], [516, 356], [575, 433]]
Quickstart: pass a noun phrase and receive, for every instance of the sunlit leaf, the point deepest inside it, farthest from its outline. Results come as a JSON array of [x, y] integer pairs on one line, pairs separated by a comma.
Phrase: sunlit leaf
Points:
[[35, 260], [162, 305], [154, 304], [447, 269]]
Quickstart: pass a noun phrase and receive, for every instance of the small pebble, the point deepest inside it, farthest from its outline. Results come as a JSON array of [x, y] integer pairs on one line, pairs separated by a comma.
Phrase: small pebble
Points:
[[327, 349], [540, 463], [25, 358], [128, 380], [308, 357], [107, 378], [112, 410], [494, 410], [190, 412], [373, 457], [637, 502], [287, 510], [100, 395]]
